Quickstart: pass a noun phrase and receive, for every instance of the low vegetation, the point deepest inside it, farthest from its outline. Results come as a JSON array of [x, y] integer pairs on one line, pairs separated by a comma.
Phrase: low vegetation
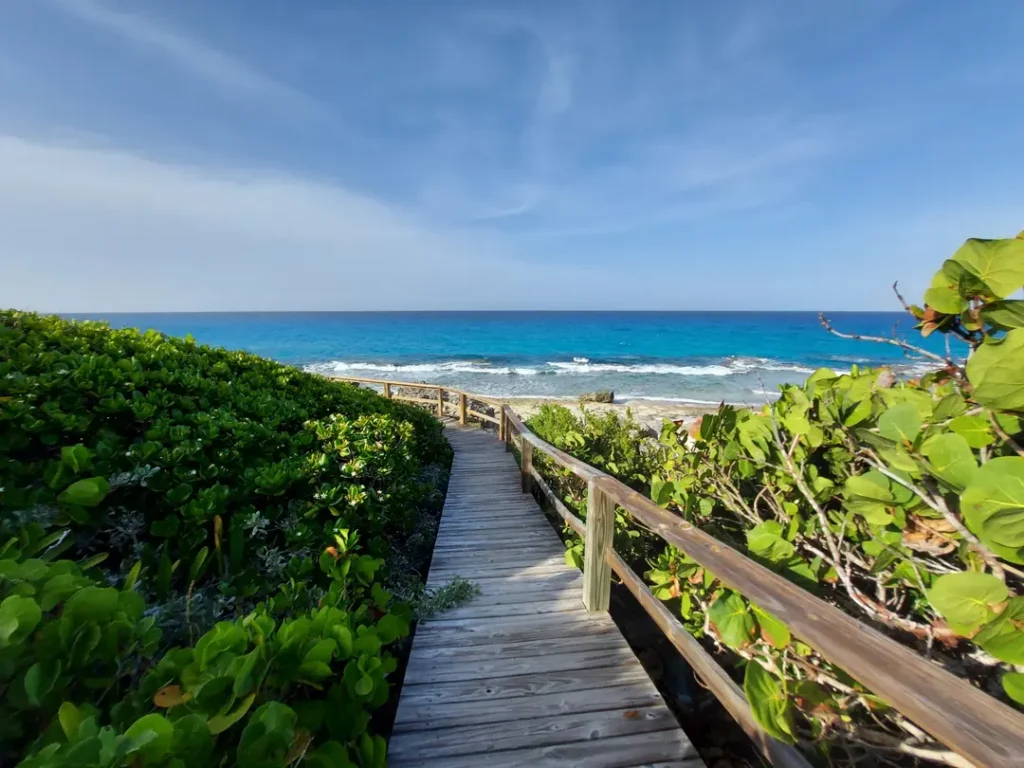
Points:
[[194, 551], [902, 502]]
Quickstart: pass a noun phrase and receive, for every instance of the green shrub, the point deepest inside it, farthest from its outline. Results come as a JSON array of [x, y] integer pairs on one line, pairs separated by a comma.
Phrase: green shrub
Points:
[[250, 506], [902, 502]]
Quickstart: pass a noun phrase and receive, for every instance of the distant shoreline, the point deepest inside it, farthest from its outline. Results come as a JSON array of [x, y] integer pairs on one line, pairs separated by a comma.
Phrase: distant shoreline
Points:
[[649, 411]]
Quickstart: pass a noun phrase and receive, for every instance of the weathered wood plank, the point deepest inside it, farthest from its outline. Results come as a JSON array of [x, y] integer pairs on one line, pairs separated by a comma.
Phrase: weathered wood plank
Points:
[[439, 671], [538, 606], [637, 749], [522, 650], [458, 632], [534, 732], [426, 716], [485, 692]]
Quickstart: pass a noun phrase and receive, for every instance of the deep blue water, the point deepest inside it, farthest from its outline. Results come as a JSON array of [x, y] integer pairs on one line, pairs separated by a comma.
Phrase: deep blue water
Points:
[[696, 356]]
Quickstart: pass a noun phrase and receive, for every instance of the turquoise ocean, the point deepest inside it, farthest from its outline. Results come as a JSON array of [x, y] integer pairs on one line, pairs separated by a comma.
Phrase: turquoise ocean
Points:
[[700, 357]]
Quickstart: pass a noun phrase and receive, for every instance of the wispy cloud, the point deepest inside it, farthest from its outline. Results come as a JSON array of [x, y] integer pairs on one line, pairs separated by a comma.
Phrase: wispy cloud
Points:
[[230, 75], [90, 229]]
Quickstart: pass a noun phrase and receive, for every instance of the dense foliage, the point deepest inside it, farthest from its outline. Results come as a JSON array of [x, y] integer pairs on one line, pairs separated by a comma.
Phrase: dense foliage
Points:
[[193, 550], [900, 501]]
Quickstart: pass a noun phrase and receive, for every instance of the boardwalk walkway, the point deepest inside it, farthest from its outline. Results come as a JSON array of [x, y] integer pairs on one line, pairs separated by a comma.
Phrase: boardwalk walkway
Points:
[[522, 675]]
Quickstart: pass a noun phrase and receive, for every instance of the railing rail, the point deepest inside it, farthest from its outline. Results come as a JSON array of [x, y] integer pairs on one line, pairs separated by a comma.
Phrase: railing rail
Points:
[[967, 720], [974, 725], [462, 409]]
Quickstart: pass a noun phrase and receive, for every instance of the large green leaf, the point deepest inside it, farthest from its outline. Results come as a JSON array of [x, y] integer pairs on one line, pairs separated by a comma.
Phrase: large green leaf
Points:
[[900, 423], [997, 263], [871, 485], [151, 735], [943, 295], [768, 702], [966, 599], [85, 493], [18, 617], [1013, 684], [993, 506], [996, 371], [772, 630], [975, 429], [950, 459], [1006, 314], [766, 540], [1003, 636], [732, 619]]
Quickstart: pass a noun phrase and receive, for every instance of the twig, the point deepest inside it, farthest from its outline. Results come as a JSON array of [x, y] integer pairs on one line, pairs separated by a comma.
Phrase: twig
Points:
[[941, 756], [1003, 434], [938, 504], [883, 340]]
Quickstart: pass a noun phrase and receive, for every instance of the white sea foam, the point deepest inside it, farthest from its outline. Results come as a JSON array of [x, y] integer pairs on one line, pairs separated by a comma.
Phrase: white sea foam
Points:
[[579, 366], [656, 399], [642, 368]]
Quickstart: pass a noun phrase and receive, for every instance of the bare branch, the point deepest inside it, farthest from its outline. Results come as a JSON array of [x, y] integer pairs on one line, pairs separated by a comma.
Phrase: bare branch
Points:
[[938, 504], [883, 340], [1003, 434]]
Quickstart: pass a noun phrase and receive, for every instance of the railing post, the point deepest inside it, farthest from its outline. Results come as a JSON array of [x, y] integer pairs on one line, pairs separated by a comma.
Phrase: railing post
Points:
[[526, 463], [462, 407], [440, 403], [597, 571], [506, 431], [387, 389]]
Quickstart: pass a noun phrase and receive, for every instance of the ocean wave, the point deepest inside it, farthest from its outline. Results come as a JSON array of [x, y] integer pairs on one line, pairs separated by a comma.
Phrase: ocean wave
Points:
[[642, 368], [452, 366], [579, 366], [625, 399]]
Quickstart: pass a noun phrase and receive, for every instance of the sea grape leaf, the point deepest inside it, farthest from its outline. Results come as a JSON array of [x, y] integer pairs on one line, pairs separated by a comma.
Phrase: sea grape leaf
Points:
[[78, 457], [92, 604], [19, 615], [943, 295], [1003, 637], [1013, 684], [999, 264], [950, 459], [85, 493], [151, 735], [1006, 314], [221, 723], [966, 599], [871, 485], [772, 630], [975, 429], [900, 423], [732, 619], [768, 702], [996, 371], [993, 506], [766, 540]]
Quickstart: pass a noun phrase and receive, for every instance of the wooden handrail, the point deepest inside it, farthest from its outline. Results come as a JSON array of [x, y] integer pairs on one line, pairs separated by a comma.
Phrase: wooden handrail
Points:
[[437, 402], [964, 718]]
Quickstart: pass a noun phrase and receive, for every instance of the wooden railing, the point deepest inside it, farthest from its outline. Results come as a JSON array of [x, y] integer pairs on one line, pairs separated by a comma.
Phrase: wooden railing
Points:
[[974, 725], [967, 720], [461, 408]]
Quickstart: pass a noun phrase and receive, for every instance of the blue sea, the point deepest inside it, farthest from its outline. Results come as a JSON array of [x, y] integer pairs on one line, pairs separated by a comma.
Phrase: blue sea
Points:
[[697, 357]]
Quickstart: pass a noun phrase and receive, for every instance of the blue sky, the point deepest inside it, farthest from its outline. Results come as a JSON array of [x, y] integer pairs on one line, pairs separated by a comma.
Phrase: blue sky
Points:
[[248, 154]]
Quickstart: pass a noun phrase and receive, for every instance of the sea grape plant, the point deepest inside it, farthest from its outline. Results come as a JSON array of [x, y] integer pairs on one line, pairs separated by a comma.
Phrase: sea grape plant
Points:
[[900, 501], [193, 549]]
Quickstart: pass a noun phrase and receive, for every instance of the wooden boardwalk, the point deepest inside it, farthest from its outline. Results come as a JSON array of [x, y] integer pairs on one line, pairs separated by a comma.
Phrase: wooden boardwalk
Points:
[[522, 675]]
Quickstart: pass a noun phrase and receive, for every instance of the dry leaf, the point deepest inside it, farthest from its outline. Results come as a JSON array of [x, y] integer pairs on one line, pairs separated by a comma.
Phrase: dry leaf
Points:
[[170, 696]]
